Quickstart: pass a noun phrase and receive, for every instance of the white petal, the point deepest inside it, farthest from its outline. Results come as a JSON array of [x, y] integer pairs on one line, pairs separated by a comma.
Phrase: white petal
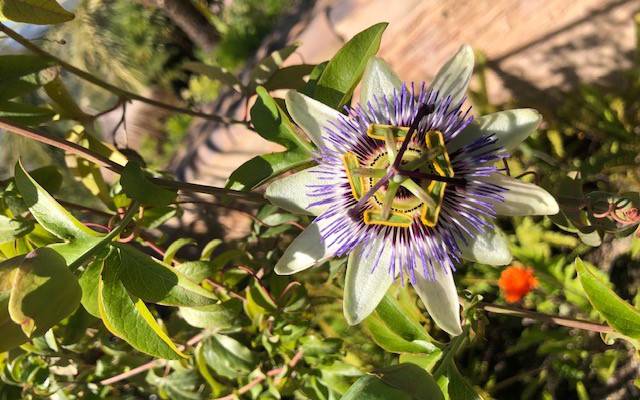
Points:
[[291, 191], [441, 300], [307, 250], [363, 287], [311, 115], [453, 78], [522, 198], [510, 128], [378, 81], [490, 248]]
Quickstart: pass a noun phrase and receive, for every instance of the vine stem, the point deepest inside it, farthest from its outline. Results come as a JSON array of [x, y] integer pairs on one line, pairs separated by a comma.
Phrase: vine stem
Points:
[[108, 86], [105, 162], [150, 365], [274, 372], [562, 321]]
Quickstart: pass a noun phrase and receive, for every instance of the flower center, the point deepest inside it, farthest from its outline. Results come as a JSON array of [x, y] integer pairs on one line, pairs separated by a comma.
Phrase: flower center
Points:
[[398, 192]]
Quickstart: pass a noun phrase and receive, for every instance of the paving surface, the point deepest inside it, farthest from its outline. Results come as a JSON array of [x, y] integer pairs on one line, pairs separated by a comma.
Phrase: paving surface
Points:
[[534, 49]]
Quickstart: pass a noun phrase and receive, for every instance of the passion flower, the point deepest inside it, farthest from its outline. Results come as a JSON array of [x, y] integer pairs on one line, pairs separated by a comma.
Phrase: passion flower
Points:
[[407, 184]]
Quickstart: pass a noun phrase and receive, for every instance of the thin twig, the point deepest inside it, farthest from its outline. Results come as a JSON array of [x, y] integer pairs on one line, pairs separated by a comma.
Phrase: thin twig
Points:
[[562, 321], [151, 364], [105, 162], [108, 86], [256, 381]]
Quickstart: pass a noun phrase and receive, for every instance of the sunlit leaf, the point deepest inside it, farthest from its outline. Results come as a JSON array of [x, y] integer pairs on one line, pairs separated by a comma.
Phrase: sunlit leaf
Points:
[[269, 65], [156, 282], [11, 229], [223, 317], [620, 315], [89, 283], [25, 114], [174, 248], [291, 77], [40, 12], [47, 211], [273, 124], [216, 73], [342, 74], [128, 318], [43, 292]]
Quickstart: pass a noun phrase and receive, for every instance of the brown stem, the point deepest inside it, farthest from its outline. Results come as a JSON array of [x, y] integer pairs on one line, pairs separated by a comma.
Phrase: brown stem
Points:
[[108, 86], [104, 162], [562, 321], [150, 365], [274, 372]]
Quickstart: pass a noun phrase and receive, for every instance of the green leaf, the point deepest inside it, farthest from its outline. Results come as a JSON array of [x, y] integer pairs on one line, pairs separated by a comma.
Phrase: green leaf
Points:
[[273, 124], [312, 83], [138, 186], [266, 68], [15, 88], [459, 386], [47, 211], [128, 318], [216, 73], [14, 66], [291, 77], [89, 281], [411, 379], [43, 292], [370, 387], [228, 357], [39, 12], [11, 229], [223, 317], [63, 99], [391, 341], [197, 271], [10, 333], [156, 282], [25, 114], [48, 177], [399, 321], [174, 248], [342, 74], [619, 314], [262, 168]]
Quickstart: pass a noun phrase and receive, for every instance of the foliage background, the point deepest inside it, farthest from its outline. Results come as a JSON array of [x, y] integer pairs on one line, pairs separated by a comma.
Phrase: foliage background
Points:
[[279, 337]]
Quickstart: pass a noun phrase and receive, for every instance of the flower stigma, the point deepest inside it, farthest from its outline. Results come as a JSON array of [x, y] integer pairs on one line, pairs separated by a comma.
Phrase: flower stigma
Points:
[[399, 183]]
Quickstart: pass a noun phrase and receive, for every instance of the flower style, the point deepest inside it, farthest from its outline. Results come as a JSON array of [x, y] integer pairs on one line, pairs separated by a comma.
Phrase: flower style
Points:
[[406, 185]]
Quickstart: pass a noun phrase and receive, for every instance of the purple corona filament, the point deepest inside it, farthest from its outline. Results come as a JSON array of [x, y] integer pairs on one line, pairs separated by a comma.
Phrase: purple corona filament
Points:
[[421, 209]]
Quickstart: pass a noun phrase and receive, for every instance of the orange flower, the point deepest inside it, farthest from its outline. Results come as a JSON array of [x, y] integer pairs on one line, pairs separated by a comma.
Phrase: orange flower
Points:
[[516, 282]]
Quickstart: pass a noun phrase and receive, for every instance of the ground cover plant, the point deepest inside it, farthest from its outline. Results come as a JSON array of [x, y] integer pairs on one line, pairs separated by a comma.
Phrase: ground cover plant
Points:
[[411, 240]]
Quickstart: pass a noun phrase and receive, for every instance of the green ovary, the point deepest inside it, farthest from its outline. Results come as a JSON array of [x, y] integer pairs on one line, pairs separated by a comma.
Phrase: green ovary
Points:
[[403, 198]]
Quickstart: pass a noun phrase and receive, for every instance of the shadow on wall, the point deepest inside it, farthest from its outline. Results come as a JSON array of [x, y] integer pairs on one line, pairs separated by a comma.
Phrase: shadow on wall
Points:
[[589, 49]]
